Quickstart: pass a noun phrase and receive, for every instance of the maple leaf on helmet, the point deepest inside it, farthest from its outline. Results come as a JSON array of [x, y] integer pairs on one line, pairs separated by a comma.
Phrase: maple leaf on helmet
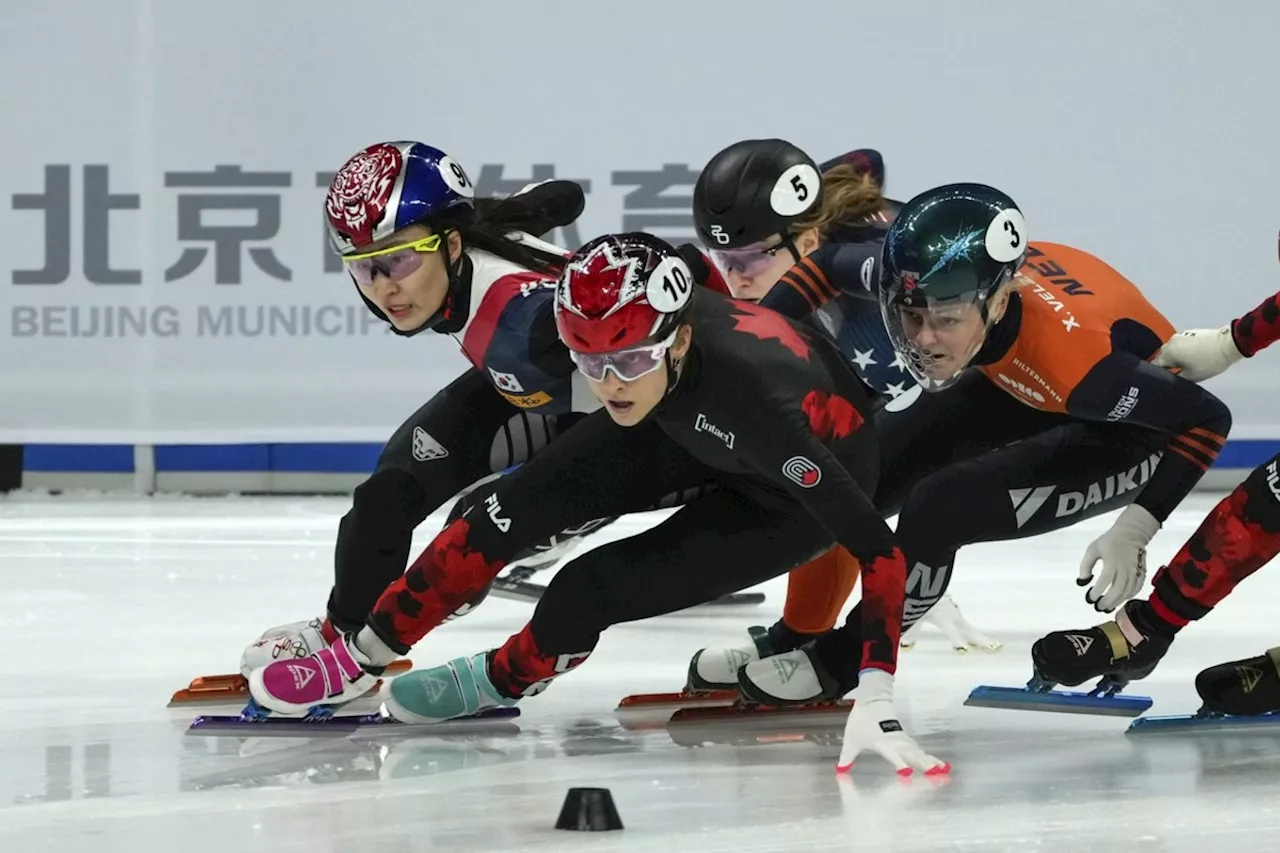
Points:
[[621, 291]]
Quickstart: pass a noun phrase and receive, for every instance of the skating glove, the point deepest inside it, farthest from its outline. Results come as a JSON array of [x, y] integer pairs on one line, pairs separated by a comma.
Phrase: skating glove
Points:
[[874, 725], [947, 618], [1123, 552], [1200, 353]]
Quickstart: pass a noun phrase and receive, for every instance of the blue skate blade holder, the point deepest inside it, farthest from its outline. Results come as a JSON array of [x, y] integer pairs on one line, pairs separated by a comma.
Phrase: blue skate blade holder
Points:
[[1039, 696], [1203, 721]]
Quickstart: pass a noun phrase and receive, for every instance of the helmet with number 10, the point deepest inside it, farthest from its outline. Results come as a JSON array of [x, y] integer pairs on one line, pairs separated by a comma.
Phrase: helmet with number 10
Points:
[[947, 270], [619, 306], [392, 211]]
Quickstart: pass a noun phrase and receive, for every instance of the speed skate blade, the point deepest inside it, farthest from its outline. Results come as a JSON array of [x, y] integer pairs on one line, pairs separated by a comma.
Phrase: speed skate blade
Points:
[[648, 711], [676, 701], [223, 726], [813, 714], [1057, 701], [233, 687], [1197, 723]]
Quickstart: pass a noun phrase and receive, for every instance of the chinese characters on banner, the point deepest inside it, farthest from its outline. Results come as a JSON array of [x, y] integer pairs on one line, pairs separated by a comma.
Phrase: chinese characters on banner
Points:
[[658, 201]]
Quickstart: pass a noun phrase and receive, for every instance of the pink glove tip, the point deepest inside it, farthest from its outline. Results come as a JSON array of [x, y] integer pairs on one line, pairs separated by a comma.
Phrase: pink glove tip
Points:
[[905, 772], [938, 770], [844, 768]]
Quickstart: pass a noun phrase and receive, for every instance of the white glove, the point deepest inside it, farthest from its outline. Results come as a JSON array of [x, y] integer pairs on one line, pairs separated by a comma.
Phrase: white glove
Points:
[[1201, 353], [1123, 552], [874, 725], [946, 617]]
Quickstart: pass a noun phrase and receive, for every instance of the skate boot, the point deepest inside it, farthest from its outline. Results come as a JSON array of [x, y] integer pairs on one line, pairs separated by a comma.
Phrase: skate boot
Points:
[[1118, 652], [459, 688], [717, 668], [946, 617], [286, 642], [1243, 687], [796, 677], [313, 685]]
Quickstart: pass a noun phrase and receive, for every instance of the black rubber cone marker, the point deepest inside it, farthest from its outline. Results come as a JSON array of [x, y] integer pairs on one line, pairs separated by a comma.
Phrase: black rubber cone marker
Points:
[[589, 810]]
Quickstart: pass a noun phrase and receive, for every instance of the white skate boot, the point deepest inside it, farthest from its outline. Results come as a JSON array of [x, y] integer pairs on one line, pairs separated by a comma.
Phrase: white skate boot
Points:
[[946, 617], [717, 668], [791, 678], [294, 640]]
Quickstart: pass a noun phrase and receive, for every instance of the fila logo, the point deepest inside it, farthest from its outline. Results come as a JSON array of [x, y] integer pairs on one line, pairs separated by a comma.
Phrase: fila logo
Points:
[[493, 508], [802, 472], [1273, 480], [426, 448]]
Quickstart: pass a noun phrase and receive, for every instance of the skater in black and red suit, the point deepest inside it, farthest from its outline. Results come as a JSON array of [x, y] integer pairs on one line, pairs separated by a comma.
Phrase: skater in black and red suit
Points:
[[759, 415]]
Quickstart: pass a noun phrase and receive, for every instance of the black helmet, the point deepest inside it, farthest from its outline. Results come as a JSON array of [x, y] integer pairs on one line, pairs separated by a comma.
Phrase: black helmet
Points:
[[752, 190], [948, 248]]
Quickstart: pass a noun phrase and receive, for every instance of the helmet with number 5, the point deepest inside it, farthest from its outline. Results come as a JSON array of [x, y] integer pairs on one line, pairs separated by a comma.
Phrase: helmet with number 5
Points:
[[947, 259], [753, 190]]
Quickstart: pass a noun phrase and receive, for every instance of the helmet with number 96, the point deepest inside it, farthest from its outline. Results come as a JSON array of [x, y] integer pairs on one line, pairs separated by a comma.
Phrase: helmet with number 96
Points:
[[622, 295], [392, 185]]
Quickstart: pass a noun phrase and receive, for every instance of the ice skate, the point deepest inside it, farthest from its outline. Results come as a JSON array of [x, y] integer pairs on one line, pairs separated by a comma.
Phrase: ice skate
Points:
[[314, 685], [1239, 694], [716, 668], [946, 617], [459, 688], [284, 642], [1246, 688], [792, 678], [1115, 652]]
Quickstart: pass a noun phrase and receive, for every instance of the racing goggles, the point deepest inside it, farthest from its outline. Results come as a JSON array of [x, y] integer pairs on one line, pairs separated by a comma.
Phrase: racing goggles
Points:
[[395, 262], [748, 261], [627, 364]]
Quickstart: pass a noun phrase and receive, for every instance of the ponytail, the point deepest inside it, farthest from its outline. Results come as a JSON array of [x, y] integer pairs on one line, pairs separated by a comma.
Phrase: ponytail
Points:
[[849, 198]]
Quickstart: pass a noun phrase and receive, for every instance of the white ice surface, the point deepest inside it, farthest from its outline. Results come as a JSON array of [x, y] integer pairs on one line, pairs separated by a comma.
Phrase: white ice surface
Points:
[[109, 605]]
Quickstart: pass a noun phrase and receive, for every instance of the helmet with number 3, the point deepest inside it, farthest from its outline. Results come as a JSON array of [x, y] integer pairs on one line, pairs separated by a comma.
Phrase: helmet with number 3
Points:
[[753, 190], [392, 185], [947, 254], [622, 291]]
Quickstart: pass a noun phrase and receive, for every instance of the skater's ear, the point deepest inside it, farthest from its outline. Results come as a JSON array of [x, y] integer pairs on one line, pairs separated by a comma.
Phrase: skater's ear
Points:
[[684, 339]]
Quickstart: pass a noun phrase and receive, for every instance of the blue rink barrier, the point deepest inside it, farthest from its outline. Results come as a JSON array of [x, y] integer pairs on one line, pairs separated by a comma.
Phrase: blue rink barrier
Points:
[[321, 467]]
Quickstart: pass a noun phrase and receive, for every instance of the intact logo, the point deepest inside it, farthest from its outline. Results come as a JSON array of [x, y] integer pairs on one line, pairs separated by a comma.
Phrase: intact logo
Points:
[[426, 448], [1124, 407], [701, 424], [1029, 393], [506, 381], [802, 472], [492, 507]]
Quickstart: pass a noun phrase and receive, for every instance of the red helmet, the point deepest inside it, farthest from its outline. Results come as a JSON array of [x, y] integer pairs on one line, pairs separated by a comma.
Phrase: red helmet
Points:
[[621, 291]]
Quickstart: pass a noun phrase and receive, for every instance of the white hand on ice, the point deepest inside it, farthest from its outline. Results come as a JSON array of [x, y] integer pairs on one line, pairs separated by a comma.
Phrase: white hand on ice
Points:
[[946, 617], [874, 725]]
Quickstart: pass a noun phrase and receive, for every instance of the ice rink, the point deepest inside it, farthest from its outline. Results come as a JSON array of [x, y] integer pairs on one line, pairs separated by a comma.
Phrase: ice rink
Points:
[[110, 604]]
